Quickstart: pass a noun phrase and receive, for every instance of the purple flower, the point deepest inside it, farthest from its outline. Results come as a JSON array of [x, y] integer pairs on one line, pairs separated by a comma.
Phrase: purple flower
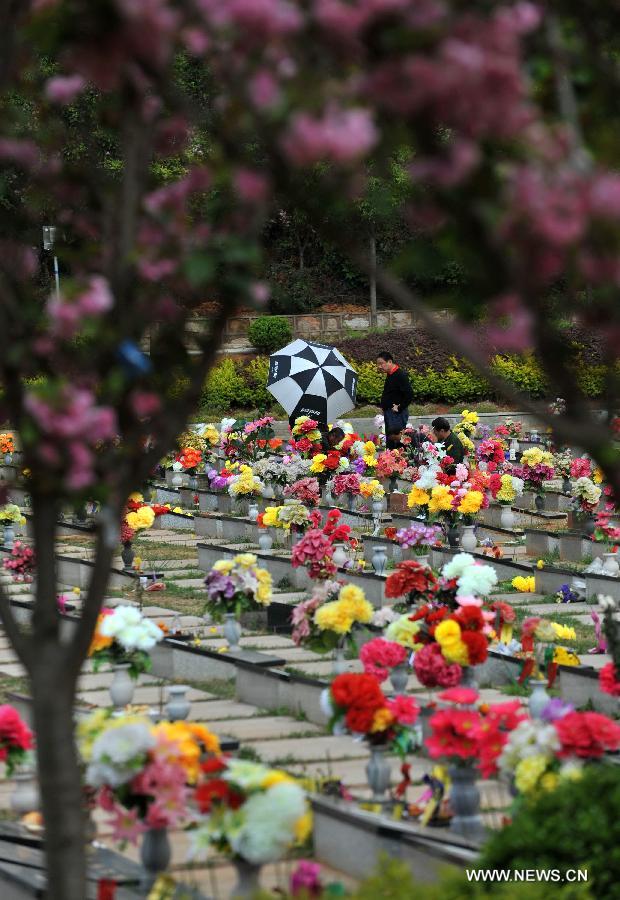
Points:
[[219, 585], [556, 709], [418, 534]]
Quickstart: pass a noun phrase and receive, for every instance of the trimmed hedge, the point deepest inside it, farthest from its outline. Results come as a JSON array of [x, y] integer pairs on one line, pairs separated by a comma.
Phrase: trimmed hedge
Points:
[[269, 333], [233, 385]]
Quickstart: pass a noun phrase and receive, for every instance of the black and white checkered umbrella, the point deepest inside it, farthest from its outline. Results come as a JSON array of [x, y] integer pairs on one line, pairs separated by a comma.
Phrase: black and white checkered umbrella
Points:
[[310, 379]]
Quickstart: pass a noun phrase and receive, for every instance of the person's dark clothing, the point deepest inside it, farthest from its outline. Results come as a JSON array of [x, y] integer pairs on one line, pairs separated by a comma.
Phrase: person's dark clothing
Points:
[[397, 389], [454, 447]]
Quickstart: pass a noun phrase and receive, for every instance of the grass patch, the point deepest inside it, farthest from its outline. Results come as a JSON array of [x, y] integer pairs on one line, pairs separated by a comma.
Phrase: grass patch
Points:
[[11, 684], [224, 688]]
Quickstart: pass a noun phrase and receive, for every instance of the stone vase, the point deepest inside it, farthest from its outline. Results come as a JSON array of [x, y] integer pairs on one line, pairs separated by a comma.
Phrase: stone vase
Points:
[[379, 559], [378, 773], [453, 536], [377, 508], [339, 663], [265, 540], [507, 517], [538, 699], [232, 631], [9, 535], [127, 555], [178, 706], [399, 676], [340, 557], [25, 798], [539, 502], [248, 878], [465, 802], [422, 558], [610, 564], [468, 540], [177, 481], [122, 687], [155, 855]]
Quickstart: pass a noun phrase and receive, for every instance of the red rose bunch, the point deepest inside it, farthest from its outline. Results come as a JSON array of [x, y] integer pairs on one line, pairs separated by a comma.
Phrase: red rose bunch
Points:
[[411, 577], [334, 530], [607, 680], [587, 735]]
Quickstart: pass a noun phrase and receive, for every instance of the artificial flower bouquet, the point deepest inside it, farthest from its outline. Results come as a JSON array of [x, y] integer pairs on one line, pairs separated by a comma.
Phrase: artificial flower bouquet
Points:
[[141, 517], [535, 468], [249, 811], [419, 536], [250, 441], [510, 487], [275, 471], [330, 617], [348, 485], [237, 585], [16, 739], [390, 463], [306, 490], [306, 438], [124, 635], [190, 459], [143, 774], [543, 753], [245, 484], [315, 550], [220, 479], [291, 516], [20, 563], [379, 656], [9, 512], [7, 444], [542, 648], [413, 580], [466, 429], [491, 452], [562, 462], [328, 463], [509, 429], [586, 495], [357, 705], [371, 489]]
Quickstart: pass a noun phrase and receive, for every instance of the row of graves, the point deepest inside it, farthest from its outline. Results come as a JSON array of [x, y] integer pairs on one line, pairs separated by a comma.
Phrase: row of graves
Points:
[[309, 659]]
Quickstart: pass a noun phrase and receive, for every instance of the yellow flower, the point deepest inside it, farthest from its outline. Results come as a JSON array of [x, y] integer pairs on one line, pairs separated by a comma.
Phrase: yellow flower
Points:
[[524, 584], [275, 776], [564, 657], [185, 742], [137, 497], [372, 489], [470, 417], [417, 497], [471, 503], [370, 460], [351, 593], [245, 560], [549, 781], [529, 771], [564, 632], [597, 476], [441, 499], [225, 566], [303, 828], [140, 519], [540, 564], [318, 463], [333, 617], [89, 729], [456, 653], [382, 720], [448, 633], [403, 631], [535, 457], [210, 434], [370, 448], [270, 517]]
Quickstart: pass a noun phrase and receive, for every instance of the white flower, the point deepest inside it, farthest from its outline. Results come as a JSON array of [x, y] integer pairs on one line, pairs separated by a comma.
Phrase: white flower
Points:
[[247, 775], [269, 827], [325, 703], [477, 580], [117, 754], [427, 477], [132, 631], [517, 484], [384, 617], [606, 602], [529, 738], [458, 565], [177, 467]]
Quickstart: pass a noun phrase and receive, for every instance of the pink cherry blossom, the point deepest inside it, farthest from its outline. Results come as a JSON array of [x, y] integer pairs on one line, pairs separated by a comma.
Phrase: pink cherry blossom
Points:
[[64, 89]]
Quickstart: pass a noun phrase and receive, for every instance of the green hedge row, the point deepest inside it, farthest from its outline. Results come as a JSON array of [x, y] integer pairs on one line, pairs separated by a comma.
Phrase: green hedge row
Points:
[[233, 385]]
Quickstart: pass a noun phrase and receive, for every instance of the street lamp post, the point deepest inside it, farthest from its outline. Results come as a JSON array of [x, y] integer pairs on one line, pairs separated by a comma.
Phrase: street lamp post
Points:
[[49, 239]]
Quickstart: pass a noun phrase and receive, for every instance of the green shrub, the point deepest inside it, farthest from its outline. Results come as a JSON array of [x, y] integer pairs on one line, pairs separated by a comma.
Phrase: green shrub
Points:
[[591, 379], [255, 376], [370, 382], [524, 372], [269, 333], [574, 827], [224, 388]]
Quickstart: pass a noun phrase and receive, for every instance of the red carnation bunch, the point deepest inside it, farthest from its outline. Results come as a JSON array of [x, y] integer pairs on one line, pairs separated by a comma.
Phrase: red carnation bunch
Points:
[[15, 737], [411, 577], [379, 656], [432, 670], [587, 735]]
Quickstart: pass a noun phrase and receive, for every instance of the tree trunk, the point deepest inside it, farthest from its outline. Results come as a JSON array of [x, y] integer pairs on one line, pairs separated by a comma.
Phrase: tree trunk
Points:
[[59, 776], [373, 280]]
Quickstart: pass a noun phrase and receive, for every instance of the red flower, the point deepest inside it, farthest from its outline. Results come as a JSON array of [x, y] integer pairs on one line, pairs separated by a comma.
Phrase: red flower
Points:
[[587, 734], [333, 460], [507, 613], [432, 670], [607, 680], [404, 709], [14, 733], [455, 733], [360, 718], [477, 646], [506, 715], [217, 791], [390, 532], [470, 618], [410, 576], [461, 695], [357, 690]]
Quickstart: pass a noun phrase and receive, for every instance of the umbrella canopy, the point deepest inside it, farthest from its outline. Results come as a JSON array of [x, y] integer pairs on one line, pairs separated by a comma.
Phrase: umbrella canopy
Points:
[[310, 379]]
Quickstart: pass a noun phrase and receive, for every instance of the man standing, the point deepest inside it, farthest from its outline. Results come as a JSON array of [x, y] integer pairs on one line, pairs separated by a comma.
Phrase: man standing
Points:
[[451, 441], [395, 400]]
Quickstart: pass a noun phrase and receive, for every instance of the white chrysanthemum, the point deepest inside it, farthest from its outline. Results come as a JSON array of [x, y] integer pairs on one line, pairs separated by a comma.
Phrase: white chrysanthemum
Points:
[[529, 738], [477, 581], [427, 478], [270, 819], [458, 565], [122, 618], [118, 754], [517, 485]]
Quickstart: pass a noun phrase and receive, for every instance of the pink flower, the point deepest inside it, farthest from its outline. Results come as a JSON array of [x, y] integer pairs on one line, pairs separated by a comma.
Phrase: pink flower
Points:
[[379, 656], [462, 695], [404, 709], [432, 670], [340, 136], [125, 825], [306, 879]]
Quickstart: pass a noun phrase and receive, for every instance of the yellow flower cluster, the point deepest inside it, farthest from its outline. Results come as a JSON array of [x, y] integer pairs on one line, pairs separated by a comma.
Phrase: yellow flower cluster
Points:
[[403, 631], [372, 489], [192, 439], [247, 483], [369, 454], [453, 648], [314, 435], [271, 518], [529, 771], [506, 493], [417, 497], [342, 614], [382, 720], [318, 463], [210, 434], [141, 518], [440, 500], [536, 457], [525, 584], [564, 632], [597, 475], [187, 741], [564, 657], [471, 503]]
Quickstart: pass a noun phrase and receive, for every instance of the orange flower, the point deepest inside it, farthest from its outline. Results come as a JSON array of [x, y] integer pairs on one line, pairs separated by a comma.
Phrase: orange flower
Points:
[[99, 641], [275, 443]]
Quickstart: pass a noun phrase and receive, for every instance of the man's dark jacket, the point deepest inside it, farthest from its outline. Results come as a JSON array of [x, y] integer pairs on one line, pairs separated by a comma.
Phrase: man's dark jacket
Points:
[[397, 389]]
